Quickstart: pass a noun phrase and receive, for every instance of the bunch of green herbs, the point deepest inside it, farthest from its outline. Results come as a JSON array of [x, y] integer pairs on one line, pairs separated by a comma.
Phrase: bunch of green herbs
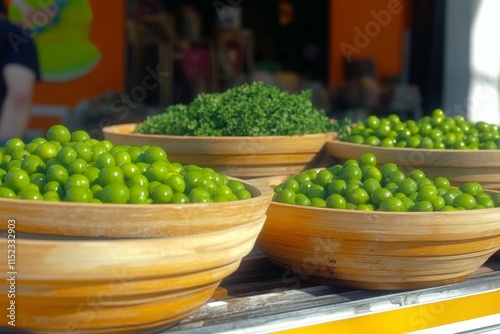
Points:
[[252, 109], [343, 128]]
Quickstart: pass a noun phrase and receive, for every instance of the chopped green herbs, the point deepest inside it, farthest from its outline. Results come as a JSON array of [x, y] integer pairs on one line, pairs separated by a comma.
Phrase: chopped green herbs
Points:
[[342, 128], [253, 109]]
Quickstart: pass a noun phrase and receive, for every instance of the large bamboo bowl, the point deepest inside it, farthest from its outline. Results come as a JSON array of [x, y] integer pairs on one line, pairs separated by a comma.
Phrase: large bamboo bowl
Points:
[[243, 157], [135, 220], [458, 166], [379, 250], [120, 286]]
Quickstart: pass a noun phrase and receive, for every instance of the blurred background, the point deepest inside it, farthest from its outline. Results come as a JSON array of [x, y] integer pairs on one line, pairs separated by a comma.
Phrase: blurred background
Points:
[[118, 61]]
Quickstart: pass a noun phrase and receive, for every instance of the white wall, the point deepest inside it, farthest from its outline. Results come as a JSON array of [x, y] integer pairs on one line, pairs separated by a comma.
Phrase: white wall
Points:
[[485, 63], [472, 60]]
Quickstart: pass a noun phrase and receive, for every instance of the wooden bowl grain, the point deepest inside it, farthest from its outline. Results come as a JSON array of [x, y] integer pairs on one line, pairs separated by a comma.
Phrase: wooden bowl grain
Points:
[[120, 285], [242, 157], [459, 166], [105, 268], [379, 250]]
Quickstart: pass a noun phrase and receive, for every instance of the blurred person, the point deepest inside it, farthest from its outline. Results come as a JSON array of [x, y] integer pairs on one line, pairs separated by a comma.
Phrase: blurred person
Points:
[[19, 73]]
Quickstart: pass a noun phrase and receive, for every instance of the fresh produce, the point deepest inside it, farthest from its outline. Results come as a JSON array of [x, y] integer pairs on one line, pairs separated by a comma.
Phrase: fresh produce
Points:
[[72, 167], [361, 185], [437, 131], [254, 109]]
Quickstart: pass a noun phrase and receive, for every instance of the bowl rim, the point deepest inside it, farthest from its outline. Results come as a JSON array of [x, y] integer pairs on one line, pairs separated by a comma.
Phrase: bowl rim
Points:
[[112, 129], [381, 226], [388, 213], [258, 189], [418, 157], [337, 141]]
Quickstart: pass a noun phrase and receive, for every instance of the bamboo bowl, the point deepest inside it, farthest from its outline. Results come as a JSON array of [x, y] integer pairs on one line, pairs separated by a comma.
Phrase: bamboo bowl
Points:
[[120, 286], [135, 220], [242, 157], [459, 166], [379, 250]]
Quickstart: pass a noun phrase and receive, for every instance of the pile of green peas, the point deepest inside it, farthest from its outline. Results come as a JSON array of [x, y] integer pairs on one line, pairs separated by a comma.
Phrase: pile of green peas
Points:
[[72, 167], [437, 131], [361, 185]]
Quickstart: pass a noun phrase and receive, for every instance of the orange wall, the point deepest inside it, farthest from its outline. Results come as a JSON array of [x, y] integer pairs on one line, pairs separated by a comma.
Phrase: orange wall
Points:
[[356, 32], [108, 34]]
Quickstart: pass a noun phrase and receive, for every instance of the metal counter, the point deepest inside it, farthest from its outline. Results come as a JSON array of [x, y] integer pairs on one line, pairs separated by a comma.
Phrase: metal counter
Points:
[[263, 298]]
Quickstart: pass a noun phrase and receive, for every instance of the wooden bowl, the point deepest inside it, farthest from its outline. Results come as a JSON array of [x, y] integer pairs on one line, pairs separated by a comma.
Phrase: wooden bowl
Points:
[[243, 157], [135, 220], [458, 166], [379, 250], [119, 285]]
